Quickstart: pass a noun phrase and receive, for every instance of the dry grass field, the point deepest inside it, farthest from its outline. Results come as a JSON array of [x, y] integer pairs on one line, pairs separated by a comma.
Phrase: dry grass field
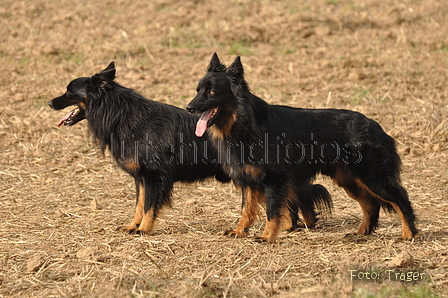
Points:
[[61, 200]]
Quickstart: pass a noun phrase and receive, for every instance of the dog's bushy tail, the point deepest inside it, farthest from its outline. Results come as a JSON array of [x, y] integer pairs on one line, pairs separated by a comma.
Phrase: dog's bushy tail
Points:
[[310, 197], [320, 197]]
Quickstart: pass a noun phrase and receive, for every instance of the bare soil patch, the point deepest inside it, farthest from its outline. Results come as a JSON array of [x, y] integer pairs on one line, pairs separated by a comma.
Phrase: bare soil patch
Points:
[[61, 201]]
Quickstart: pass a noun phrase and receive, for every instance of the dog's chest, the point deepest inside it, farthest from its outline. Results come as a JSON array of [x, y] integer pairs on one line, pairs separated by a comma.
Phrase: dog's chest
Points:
[[242, 171]]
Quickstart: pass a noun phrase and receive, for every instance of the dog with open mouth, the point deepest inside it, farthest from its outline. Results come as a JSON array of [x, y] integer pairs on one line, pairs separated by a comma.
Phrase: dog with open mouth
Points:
[[149, 140], [154, 143], [274, 150]]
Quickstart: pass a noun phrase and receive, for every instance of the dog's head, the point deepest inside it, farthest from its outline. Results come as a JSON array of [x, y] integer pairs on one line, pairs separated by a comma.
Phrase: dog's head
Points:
[[217, 92], [79, 93]]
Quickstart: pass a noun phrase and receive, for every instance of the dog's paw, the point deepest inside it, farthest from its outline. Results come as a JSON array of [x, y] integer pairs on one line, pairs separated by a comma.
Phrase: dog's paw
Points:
[[350, 235], [139, 232], [264, 240], [235, 234], [128, 229]]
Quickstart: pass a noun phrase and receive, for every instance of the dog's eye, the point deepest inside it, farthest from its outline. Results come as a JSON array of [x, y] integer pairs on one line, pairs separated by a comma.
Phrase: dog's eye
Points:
[[211, 92]]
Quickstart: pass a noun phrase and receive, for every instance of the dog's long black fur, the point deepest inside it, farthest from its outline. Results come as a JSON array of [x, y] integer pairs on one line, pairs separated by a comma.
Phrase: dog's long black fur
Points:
[[274, 149], [153, 142], [147, 139]]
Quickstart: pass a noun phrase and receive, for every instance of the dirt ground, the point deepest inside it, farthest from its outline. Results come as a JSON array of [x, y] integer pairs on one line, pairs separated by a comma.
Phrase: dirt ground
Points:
[[61, 200]]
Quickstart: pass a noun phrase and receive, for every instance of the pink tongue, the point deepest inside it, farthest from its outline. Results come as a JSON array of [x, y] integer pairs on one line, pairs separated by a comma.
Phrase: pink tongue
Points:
[[64, 118], [201, 126]]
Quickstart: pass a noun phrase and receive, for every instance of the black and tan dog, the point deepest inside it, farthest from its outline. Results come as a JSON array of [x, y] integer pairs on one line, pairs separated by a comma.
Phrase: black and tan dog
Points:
[[274, 150], [154, 143]]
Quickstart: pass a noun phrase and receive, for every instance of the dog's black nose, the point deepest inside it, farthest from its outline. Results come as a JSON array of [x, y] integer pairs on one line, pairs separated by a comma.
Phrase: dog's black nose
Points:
[[50, 103], [190, 109]]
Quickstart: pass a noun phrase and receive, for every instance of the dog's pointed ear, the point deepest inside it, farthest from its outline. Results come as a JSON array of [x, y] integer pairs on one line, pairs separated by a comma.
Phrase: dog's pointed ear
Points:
[[108, 73], [104, 77], [235, 70], [215, 65]]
